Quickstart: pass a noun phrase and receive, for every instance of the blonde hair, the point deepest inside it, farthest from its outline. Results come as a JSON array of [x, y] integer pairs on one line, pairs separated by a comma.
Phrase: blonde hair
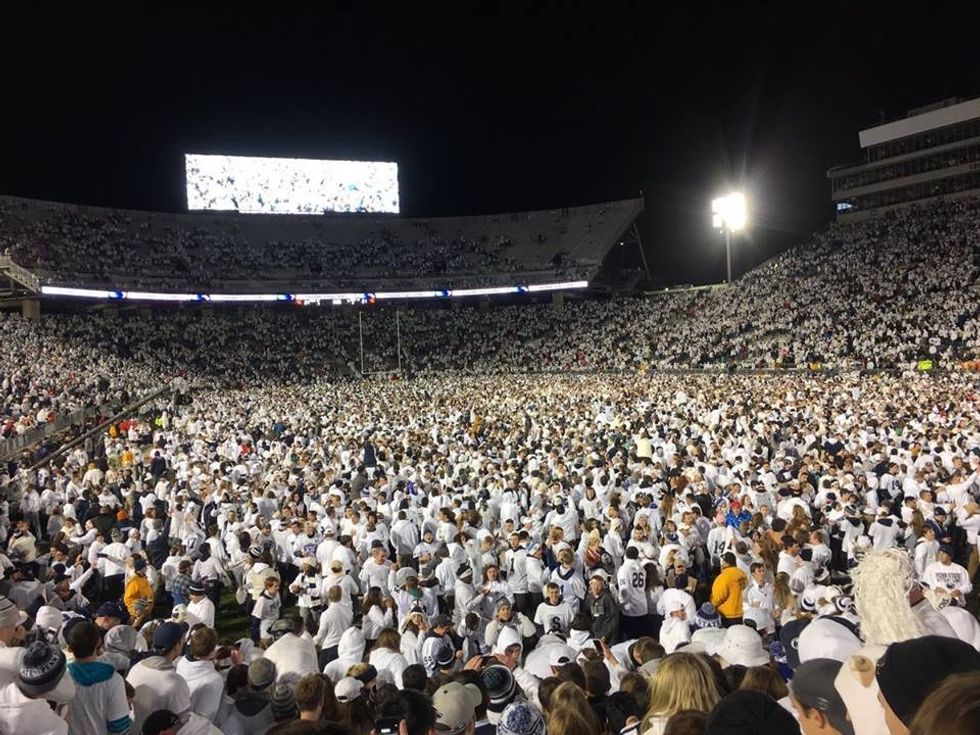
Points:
[[355, 670], [569, 712], [682, 681]]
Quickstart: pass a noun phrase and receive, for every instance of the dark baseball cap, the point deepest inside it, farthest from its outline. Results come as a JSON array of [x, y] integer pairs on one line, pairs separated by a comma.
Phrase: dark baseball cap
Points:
[[813, 687]]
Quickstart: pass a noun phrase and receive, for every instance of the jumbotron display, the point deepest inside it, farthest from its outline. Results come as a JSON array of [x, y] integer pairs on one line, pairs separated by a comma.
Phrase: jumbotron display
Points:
[[289, 185]]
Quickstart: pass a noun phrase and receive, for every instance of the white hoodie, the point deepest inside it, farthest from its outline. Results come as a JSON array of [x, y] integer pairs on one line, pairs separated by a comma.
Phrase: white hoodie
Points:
[[334, 621], [205, 684], [964, 624], [350, 651], [528, 682], [21, 714], [294, 657], [158, 686]]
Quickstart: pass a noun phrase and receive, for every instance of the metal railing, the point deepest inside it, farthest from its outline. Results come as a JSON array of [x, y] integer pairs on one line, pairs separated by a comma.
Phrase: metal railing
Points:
[[20, 274], [13, 484], [10, 448], [120, 414]]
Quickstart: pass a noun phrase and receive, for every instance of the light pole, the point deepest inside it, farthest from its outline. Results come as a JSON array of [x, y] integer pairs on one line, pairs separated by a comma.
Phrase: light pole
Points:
[[729, 215]]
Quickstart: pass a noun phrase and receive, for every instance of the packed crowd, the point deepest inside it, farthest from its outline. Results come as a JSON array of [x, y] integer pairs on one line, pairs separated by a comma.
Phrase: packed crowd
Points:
[[47, 374], [882, 294], [484, 548], [515, 554], [71, 245]]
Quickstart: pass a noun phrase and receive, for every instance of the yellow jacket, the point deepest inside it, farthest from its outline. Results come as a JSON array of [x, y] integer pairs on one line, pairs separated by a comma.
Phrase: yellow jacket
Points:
[[137, 588], [726, 592]]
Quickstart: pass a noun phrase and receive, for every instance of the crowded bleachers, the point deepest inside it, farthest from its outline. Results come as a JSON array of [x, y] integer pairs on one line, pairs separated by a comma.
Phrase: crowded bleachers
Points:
[[72, 245], [564, 521]]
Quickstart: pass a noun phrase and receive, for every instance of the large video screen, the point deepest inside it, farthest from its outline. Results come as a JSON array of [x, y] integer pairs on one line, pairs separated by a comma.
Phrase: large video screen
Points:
[[290, 185]]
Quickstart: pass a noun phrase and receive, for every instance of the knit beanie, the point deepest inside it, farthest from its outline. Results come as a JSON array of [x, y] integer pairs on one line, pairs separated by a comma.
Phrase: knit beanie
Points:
[[748, 712], [284, 703], [41, 669], [520, 718], [500, 686], [707, 617], [908, 671]]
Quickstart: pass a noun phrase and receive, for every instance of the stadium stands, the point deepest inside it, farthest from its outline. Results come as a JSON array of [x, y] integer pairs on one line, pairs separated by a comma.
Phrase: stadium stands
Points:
[[75, 245], [879, 294], [642, 499]]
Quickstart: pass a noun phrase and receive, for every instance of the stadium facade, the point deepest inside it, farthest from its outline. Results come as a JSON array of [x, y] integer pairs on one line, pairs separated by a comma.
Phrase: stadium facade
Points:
[[931, 153]]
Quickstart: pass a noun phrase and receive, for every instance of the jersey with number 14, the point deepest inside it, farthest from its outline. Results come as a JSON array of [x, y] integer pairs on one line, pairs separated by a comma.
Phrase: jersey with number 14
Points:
[[632, 579]]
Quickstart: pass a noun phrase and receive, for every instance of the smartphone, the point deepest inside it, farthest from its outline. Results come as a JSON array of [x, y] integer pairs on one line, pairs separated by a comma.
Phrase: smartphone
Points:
[[598, 645], [387, 726]]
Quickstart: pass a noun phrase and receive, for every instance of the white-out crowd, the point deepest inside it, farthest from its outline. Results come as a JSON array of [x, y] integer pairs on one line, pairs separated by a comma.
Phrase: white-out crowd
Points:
[[881, 294], [112, 248], [483, 547]]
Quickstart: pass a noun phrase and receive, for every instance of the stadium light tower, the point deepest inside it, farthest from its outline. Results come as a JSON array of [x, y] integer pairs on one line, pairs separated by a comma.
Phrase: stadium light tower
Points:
[[729, 215]]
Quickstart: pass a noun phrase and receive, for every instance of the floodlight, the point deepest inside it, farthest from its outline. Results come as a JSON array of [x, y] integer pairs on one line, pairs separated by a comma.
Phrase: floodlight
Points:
[[729, 214]]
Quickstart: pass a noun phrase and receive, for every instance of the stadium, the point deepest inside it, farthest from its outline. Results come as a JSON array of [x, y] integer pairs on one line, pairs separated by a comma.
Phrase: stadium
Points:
[[309, 452]]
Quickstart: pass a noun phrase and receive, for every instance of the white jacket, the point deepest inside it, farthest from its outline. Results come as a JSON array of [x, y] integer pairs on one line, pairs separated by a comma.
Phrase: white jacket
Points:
[[390, 665]]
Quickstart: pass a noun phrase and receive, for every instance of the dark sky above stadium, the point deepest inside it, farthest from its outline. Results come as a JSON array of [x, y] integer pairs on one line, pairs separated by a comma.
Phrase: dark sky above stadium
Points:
[[486, 107]]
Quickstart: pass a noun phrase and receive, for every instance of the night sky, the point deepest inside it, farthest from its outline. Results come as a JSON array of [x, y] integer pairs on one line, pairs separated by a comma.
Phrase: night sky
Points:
[[485, 107]]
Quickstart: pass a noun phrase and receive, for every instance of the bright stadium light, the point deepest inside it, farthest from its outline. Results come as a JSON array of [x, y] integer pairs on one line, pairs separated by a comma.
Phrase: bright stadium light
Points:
[[335, 298], [82, 293], [729, 214]]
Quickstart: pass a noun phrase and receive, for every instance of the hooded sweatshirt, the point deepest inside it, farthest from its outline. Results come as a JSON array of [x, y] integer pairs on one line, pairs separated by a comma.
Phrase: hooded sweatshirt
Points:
[[158, 686], [251, 715], [99, 705], [294, 657], [350, 651], [333, 622], [964, 624], [21, 714], [884, 532], [205, 684], [528, 682]]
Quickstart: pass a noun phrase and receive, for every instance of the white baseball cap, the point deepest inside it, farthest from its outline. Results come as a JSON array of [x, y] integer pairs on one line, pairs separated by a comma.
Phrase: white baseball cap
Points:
[[455, 706]]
